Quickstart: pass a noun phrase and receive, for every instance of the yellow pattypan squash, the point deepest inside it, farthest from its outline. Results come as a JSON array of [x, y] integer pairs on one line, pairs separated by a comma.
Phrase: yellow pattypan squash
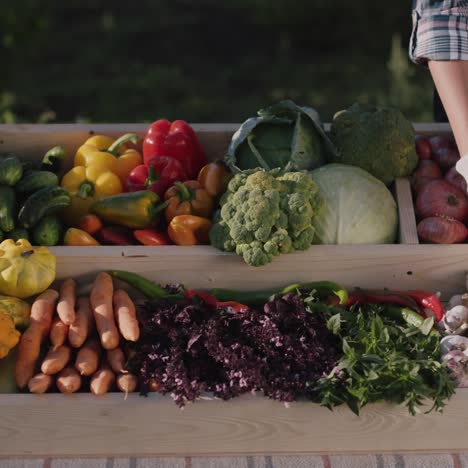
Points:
[[17, 309], [25, 270], [9, 335]]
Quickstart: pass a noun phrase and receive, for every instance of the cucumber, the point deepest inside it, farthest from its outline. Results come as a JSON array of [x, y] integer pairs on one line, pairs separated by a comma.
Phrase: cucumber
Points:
[[48, 231], [46, 201], [8, 208], [53, 159], [33, 181], [18, 233], [11, 169]]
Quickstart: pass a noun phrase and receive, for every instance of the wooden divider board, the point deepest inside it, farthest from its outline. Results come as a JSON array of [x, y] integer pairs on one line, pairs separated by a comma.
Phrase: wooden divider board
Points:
[[441, 268], [56, 425]]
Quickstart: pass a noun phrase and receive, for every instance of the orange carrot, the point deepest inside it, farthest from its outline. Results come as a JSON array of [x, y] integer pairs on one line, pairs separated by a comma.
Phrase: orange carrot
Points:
[[58, 333], [116, 359], [56, 360], [127, 383], [87, 359], [101, 303], [90, 223], [125, 314], [83, 325], [40, 383], [66, 304], [102, 380], [29, 346], [68, 381]]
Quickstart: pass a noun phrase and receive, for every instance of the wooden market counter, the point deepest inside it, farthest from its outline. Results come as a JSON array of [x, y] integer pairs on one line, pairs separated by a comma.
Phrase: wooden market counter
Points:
[[59, 425]]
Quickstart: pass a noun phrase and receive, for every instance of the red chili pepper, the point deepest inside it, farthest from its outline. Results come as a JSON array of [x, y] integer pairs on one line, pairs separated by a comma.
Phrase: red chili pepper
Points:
[[151, 237], [115, 235], [178, 140], [423, 302], [428, 301], [157, 175], [211, 300]]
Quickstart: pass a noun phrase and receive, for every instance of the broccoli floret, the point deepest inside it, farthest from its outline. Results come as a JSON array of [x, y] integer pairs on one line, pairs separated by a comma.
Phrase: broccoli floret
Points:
[[379, 140], [265, 214], [219, 235]]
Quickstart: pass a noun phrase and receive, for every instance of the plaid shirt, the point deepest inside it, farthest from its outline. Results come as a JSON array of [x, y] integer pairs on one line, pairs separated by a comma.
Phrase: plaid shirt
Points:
[[440, 30]]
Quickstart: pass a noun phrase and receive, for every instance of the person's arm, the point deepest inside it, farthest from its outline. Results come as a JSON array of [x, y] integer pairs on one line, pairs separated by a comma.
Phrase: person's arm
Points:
[[451, 80]]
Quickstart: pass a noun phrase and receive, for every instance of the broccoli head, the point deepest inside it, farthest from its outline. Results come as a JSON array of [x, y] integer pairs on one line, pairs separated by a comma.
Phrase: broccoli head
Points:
[[265, 214], [379, 140]]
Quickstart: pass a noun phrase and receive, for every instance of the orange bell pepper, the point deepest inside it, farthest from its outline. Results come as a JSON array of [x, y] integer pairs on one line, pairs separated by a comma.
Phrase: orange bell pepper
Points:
[[214, 178], [189, 230], [112, 155], [188, 198]]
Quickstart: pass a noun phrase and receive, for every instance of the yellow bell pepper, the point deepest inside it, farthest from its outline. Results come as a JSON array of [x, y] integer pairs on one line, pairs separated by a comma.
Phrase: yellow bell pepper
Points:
[[86, 185], [78, 237], [110, 154]]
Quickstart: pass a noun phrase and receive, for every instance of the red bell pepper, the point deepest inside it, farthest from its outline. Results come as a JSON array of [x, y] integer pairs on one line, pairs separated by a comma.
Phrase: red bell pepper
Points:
[[178, 140], [211, 300], [157, 175], [151, 237], [424, 302]]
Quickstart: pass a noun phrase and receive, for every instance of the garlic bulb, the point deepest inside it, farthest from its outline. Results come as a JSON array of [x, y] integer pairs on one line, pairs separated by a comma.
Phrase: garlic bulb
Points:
[[457, 363], [454, 343], [455, 320]]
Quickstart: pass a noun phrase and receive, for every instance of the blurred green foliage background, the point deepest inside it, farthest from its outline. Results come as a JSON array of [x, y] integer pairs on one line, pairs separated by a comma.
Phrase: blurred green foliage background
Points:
[[203, 60]]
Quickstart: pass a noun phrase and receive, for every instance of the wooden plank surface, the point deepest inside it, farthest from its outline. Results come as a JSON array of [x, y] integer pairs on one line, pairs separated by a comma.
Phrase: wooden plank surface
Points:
[[32, 140], [434, 267], [58, 425], [406, 216]]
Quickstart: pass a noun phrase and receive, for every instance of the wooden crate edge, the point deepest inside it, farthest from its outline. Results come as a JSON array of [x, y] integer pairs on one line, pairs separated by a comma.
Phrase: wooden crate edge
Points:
[[58, 425]]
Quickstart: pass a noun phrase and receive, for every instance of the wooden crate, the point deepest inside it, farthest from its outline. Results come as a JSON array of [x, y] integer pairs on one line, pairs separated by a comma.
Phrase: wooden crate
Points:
[[58, 425]]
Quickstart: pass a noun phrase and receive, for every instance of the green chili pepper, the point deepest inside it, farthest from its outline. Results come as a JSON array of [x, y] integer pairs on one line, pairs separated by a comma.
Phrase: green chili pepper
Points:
[[255, 298], [149, 289]]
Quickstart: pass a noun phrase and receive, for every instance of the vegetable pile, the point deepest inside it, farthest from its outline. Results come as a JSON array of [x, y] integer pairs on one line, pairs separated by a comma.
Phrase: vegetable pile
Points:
[[441, 203], [265, 214], [307, 341], [161, 190], [76, 343], [454, 346], [30, 198], [119, 197], [191, 347], [312, 341], [385, 360]]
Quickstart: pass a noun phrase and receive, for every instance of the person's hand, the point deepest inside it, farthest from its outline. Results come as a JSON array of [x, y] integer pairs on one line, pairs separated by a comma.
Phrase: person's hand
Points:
[[462, 167]]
